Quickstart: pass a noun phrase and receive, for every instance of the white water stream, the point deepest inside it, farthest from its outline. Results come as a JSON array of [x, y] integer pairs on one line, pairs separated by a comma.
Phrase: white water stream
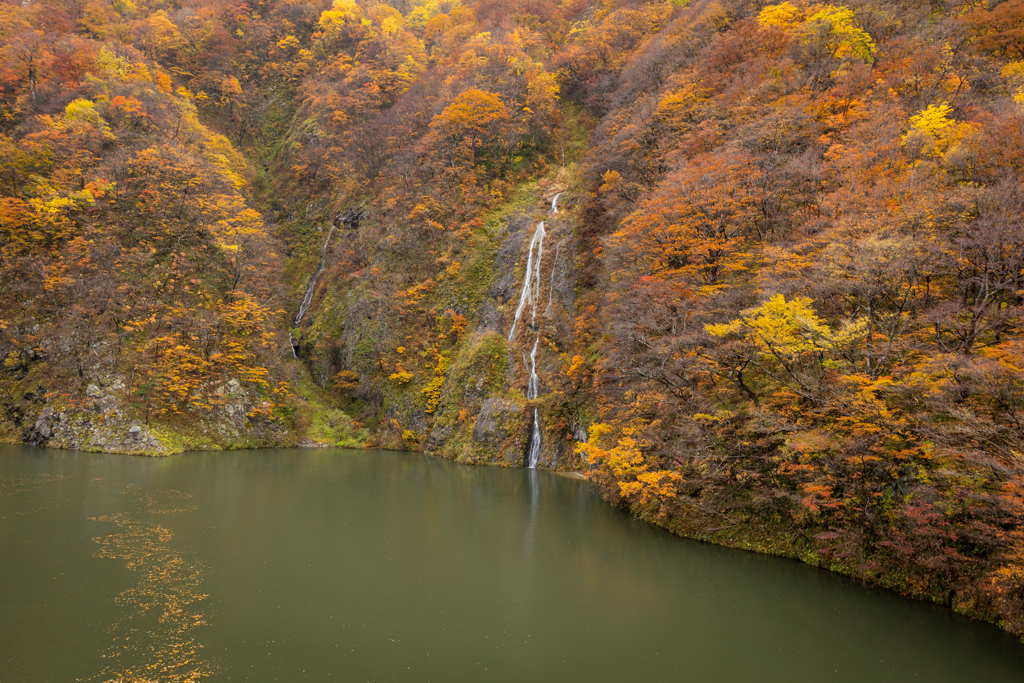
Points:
[[307, 299], [531, 292]]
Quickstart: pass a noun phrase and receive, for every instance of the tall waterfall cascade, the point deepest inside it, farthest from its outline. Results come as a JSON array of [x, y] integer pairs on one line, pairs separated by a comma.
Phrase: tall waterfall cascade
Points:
[[531, 291], [307, 299]]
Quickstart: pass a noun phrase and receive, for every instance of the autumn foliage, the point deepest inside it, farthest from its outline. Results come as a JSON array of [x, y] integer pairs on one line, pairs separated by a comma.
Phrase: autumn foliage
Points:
[[129, 248], [793, 233], [806, 234]]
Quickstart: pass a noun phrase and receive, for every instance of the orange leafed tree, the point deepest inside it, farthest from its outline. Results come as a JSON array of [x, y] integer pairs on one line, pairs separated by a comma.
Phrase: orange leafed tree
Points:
[[473, 122]]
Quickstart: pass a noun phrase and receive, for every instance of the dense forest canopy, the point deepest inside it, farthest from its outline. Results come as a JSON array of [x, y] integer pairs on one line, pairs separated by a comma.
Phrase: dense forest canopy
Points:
[[780, 307]]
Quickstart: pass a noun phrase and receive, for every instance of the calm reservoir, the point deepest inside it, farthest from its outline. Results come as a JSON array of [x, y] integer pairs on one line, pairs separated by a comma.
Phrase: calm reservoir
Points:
[[336, 565]]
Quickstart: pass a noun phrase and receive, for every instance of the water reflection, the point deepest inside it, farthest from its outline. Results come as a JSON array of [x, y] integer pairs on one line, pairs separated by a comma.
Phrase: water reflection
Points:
[[341, 565], [533, 489]]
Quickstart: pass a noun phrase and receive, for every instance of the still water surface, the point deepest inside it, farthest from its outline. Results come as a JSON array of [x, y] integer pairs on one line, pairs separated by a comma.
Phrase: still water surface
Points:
[[336, 565]]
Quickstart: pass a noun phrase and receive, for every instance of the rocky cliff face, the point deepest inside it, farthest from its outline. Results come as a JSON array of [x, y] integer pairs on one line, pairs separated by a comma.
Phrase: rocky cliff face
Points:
[[493, 420], [108, 421], [458, 389], [474, 410], [109, 431]]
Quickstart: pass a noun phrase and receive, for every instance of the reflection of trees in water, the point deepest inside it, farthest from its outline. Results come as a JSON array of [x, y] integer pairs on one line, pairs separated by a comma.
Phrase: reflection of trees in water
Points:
[[156, 640]]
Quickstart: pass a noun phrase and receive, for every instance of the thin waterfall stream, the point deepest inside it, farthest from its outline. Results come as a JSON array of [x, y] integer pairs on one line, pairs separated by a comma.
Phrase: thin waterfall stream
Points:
[[307, 299], [532, 282]]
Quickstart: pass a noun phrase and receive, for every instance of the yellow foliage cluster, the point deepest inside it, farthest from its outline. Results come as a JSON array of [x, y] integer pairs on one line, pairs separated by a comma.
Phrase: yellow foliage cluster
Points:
[[180, 374], [342, 13], [625, 461], [832, 27], [400, 376], [785, 329], [1014, 73], [82, 110], [575, 364], [845, 39], [785, 15], [417, 292], [651, 486], [432, 392], [934, 132]]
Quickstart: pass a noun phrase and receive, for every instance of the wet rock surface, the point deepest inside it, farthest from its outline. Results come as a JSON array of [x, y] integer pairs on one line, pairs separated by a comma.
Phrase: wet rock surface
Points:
[[496, 421], [490, 318], [506, 258]]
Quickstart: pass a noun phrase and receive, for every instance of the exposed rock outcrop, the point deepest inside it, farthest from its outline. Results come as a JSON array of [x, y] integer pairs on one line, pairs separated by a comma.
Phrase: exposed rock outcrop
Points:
[[496, 420]]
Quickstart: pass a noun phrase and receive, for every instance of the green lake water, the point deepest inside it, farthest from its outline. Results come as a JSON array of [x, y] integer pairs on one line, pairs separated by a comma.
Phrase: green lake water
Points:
[[337, 565]]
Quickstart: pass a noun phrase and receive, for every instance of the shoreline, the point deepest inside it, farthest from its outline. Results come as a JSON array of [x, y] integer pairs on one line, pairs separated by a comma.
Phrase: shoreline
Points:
[[746, 538]]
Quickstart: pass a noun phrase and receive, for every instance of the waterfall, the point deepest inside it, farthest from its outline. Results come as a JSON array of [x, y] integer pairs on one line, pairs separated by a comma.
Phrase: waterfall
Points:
[[532, 390], [531, 292], [307, 299], [531, 279]]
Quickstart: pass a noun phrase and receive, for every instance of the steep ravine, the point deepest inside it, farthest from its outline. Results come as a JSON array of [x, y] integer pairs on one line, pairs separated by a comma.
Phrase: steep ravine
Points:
[[488, 402]]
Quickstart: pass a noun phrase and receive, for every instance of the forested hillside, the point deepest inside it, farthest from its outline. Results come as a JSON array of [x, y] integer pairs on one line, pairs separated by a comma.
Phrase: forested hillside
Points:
[[756, 268]]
